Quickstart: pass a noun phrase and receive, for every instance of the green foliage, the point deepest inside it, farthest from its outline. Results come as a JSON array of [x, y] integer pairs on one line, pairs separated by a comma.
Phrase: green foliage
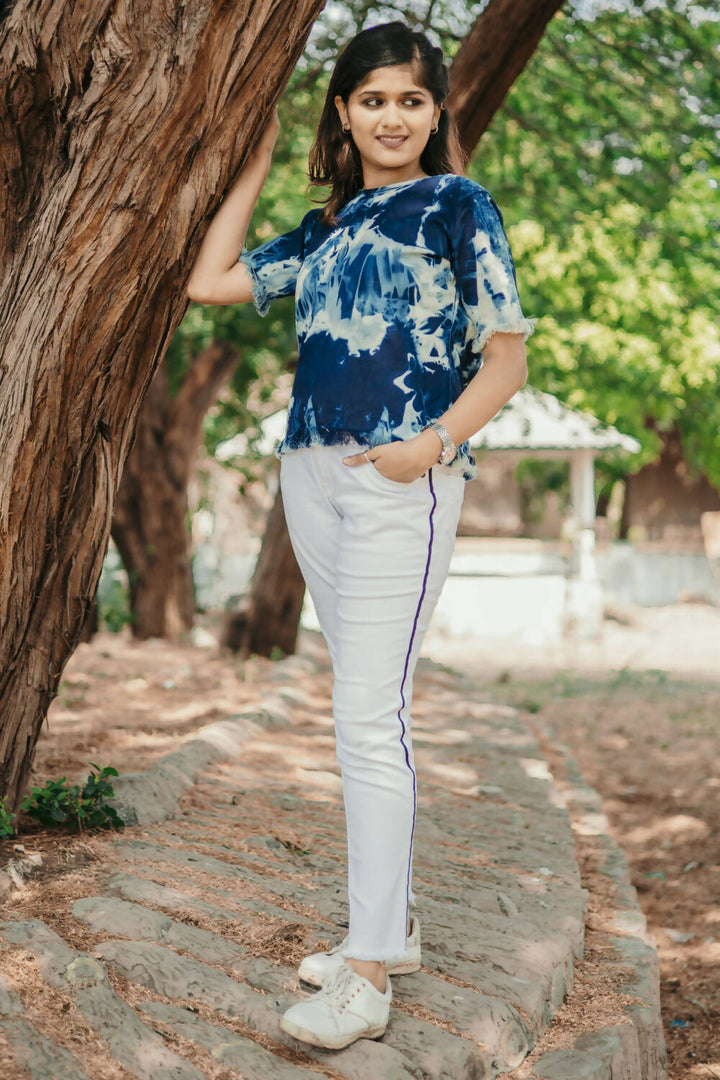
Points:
[[7, 818], [80, 808], [113, 600], [604, 161], [535, 477]]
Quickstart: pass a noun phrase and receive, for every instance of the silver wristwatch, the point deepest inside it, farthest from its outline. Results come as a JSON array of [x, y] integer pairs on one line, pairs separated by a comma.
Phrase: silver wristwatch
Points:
[[449, 449]]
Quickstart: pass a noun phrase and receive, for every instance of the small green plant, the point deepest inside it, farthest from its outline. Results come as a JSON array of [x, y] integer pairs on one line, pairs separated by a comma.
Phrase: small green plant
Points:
[[530, 705], [58, 803], [6, 820]]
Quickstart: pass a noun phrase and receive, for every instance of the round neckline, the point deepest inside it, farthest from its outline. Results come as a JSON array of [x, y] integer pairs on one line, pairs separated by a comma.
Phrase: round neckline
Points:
[[397, 183], [368, 193]]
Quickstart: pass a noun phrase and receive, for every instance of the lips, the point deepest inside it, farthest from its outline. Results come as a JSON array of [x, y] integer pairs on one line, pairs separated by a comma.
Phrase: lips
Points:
[[392, 142]]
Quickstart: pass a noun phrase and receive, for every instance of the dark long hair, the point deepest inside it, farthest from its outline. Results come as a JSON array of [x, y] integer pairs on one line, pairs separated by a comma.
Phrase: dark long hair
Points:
[[334, 159]]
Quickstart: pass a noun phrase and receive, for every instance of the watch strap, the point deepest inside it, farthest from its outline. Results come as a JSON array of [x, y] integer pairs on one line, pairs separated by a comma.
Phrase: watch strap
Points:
[[449, 449]]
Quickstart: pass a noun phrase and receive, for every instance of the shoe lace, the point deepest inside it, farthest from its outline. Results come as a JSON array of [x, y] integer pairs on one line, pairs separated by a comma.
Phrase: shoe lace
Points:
[[338, 989]]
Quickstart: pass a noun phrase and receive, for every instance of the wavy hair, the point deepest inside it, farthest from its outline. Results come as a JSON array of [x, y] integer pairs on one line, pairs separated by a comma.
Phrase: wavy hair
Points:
[[334, 159]]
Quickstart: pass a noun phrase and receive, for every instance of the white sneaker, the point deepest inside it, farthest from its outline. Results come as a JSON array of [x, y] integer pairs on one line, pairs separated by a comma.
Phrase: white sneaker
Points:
[[317, 967], [347, 1008]]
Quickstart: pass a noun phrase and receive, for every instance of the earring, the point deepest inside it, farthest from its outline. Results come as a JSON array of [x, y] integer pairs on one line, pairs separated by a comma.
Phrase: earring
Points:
[[434, 131], [346, 129]]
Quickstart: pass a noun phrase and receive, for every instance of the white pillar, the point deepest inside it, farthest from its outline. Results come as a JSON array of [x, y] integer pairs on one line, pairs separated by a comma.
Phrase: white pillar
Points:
[[584, 599], [582, 483], [582, 477]]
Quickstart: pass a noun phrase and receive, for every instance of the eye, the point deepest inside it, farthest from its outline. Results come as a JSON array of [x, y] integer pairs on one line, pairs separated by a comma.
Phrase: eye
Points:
[[412, 101]]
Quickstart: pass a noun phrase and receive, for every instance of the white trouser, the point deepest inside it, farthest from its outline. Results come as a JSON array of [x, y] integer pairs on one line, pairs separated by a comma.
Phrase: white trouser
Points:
[[374, 554]]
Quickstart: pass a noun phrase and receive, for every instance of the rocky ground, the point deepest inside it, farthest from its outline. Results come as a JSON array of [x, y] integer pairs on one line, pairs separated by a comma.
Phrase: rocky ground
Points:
[[196, 923]]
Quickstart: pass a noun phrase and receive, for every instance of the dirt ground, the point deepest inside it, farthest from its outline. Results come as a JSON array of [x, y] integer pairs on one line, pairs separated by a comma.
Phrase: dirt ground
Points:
[[640, 710]]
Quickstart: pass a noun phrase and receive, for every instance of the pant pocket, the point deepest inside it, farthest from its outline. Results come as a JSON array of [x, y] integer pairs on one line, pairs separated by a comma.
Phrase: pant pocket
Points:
[[393, 485]]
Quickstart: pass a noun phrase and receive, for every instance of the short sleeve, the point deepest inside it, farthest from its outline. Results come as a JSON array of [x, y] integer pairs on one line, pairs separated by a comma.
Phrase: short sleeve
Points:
[[484, 269], [274, 265]]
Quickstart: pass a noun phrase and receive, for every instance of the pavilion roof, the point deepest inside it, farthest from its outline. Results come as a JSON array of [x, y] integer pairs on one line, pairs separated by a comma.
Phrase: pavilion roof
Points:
[[533, 421]]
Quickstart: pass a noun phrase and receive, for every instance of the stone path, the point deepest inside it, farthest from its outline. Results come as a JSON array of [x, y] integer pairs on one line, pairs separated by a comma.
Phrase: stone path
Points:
[[208, 903]]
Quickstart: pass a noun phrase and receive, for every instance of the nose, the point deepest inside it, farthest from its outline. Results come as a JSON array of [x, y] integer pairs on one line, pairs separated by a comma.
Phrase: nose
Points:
[[391, 117]]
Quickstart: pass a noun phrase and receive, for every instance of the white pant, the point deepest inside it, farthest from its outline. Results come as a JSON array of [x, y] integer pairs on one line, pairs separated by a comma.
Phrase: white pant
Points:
[[374, 554]]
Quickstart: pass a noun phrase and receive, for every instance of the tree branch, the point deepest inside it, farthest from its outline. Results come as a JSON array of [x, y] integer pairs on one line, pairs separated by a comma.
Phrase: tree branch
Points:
[[496, 50]]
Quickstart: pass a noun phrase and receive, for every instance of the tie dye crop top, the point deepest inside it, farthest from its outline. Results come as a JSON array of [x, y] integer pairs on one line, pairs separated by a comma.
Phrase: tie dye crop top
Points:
[[393, 307]]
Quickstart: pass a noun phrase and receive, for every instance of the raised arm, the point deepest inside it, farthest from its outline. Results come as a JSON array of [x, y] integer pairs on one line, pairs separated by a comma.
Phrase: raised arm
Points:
[[217, 277]]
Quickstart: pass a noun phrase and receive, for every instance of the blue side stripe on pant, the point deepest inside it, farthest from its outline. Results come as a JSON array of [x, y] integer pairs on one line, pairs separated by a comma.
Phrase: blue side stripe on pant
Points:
[[431, 538]]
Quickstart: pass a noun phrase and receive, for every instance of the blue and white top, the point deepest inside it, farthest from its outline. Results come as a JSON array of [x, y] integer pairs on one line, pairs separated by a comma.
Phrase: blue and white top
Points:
[[393, 307]]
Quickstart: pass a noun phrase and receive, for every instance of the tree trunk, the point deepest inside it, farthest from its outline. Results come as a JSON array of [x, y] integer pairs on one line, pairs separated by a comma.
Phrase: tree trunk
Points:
[[151, 521], [121, 124], [273, 613], [499, 45], [666, 498]]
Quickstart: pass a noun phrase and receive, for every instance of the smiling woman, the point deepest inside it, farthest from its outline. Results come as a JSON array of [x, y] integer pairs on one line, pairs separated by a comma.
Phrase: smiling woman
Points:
[[411, 337]]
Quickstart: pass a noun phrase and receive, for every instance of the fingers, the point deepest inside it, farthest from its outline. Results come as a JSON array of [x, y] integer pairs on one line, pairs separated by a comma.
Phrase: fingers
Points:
[[357, 459]]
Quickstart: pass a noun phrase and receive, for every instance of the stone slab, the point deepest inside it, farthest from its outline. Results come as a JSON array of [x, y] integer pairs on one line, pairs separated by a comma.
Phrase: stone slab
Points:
[[433, 1052], [133, 887], [83, 977], [40, 1056], [17, 870], [138, 923], [571, 1065], [182, 978], [488, 1020], [192, 859], [142, 798], [225, 1045]]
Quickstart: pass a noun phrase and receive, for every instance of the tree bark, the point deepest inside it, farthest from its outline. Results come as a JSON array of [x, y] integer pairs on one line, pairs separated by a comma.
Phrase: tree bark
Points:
[[121, 124], [272, 617], [499, 45], [150, 525]]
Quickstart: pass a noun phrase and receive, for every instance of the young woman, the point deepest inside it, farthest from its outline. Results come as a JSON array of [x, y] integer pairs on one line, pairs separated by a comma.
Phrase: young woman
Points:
[[411, 337]]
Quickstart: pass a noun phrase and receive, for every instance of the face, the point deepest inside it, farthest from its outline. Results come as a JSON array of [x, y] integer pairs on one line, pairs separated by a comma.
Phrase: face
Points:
[[390, 117]]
